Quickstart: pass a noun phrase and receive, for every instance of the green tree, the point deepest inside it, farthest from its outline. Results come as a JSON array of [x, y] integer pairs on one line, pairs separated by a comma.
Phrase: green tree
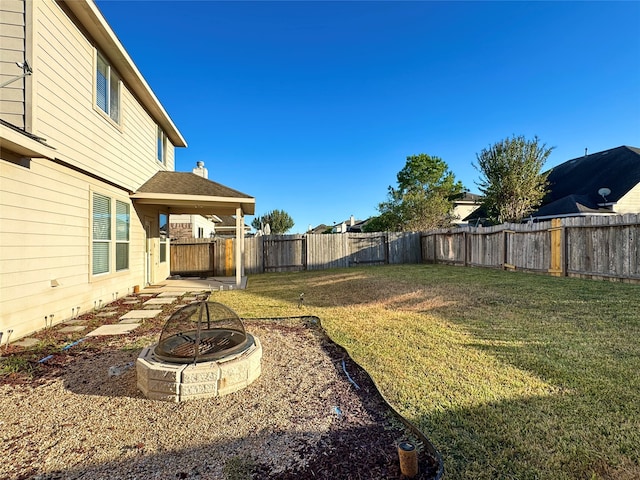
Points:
[[511, 180], [423, 198], [279, 221]]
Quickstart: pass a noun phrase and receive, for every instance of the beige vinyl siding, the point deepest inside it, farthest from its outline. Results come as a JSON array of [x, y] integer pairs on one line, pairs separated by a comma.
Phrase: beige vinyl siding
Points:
[[630, 203], [12, 50], [56, 247], [68, 118]]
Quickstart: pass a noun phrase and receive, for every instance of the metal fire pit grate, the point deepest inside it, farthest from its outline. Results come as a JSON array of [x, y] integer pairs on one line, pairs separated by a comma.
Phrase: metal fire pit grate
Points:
[[201, 332]]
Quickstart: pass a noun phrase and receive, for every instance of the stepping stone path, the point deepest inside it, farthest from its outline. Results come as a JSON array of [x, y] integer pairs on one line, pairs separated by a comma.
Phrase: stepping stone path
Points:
[[72, 329], [27, 342], [73, 321], [118, 329], [130, 320], [159, 301], [141, 314]]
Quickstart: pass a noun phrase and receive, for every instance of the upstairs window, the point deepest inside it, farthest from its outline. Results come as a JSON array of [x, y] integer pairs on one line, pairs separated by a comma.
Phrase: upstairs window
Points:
[[161, 146], [107, 89]]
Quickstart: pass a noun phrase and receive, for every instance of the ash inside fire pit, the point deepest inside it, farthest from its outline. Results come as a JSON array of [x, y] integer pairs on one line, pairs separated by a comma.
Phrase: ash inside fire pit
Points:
[[201, 332]]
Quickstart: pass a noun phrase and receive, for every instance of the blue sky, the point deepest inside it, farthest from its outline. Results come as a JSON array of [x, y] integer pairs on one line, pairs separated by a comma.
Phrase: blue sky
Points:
[[313, 107]]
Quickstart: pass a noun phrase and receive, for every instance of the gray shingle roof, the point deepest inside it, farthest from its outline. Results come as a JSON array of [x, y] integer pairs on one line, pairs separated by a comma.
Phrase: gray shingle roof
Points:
[[187, 183]]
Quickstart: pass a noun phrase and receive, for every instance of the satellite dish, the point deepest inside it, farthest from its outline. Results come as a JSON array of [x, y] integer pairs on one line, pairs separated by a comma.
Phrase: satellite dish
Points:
[[603, 192]]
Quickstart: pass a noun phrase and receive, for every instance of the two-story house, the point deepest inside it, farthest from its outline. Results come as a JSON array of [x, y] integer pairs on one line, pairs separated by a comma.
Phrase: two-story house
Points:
[[87, 180]]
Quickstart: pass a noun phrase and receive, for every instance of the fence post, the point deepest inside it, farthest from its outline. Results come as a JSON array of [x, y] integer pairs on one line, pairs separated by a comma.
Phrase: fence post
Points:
[[212, 257], [228, 257], [387, 253], [555, 231], [464, 241], [435, 249]]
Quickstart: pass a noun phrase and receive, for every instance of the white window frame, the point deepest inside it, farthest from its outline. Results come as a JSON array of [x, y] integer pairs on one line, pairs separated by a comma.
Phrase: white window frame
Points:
[[122, 235], [109, 81], [114, 233], [163, 238], [161, 146]]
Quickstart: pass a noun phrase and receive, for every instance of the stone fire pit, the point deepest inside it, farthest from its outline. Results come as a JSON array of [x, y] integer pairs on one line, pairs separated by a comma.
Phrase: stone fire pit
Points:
[[203, 352]]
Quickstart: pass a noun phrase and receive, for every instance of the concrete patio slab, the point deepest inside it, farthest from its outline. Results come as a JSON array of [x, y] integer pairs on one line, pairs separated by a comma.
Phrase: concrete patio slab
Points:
[[197, 284], [117, 329], [141, 314], [106, 314]]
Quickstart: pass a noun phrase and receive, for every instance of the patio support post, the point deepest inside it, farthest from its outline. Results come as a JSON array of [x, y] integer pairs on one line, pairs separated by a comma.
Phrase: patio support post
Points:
[[239, 246]]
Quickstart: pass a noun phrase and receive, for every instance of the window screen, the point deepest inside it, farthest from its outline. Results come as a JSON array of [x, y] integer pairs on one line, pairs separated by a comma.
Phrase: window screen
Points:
[[101, 233]]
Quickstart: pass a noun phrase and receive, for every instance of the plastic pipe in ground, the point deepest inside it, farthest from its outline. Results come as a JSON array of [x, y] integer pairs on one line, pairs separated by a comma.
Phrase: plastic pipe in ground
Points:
[[408, 459]]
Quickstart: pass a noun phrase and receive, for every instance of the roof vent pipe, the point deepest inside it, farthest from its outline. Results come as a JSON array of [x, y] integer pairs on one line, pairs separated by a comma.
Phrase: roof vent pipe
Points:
[[585, 152]]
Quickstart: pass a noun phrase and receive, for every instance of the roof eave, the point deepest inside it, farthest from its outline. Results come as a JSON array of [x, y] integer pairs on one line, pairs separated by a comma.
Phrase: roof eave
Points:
[[24, 146], [87, 12], [197, 204]]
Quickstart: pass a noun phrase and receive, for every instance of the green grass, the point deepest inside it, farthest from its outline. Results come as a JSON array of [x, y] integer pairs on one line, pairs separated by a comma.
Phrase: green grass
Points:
[[511, 375]]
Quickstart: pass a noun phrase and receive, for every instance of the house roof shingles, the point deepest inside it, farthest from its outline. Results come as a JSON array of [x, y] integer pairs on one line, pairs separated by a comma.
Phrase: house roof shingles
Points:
[[575, 184], [185, 192], [187, 183]]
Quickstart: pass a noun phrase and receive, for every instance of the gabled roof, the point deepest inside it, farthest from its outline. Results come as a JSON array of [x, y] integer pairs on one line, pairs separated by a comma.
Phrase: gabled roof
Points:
[[228, 222], [186, 192], [570, 205], [575, 186], [617, 169], [91, 18]]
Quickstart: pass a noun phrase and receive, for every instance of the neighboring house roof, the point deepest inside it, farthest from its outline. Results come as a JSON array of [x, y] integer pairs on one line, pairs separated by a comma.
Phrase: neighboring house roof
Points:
[[357, 226], [228, 223], [322, 228], [185, 192], [575, 185], [467, 197]]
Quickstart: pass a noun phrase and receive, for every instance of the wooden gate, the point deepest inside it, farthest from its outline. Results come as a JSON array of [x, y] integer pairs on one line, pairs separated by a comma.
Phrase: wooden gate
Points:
[[284, 253]]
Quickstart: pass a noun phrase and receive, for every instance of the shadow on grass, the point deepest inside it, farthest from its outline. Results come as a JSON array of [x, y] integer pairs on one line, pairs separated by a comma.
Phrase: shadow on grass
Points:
[[577, 336]]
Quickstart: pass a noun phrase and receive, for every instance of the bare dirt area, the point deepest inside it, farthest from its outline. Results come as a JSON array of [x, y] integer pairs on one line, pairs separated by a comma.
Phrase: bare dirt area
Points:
[[303, 417]]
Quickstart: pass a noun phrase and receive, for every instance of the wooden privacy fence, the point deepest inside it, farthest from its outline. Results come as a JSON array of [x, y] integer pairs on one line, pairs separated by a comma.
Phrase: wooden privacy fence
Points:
[[280, 253], [602, 246], [596, 246]]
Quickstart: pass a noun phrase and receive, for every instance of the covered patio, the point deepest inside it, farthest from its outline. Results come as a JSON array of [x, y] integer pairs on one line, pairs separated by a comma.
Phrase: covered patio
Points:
[[188, 193]]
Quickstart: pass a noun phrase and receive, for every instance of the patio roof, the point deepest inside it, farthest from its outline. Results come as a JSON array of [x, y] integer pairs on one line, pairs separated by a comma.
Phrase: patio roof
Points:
[[188, 193]]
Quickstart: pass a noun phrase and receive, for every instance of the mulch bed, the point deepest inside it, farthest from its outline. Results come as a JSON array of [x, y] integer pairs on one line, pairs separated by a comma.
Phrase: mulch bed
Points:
[[351, 448]]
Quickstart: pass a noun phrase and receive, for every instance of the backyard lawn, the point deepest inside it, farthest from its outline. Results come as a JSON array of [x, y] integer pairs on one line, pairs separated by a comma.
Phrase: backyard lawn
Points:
[[510, 375]]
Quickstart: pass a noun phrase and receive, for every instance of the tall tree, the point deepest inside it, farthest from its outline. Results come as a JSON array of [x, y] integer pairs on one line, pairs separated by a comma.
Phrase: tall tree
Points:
[[423, 198], [279, 221], [511, 180]]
